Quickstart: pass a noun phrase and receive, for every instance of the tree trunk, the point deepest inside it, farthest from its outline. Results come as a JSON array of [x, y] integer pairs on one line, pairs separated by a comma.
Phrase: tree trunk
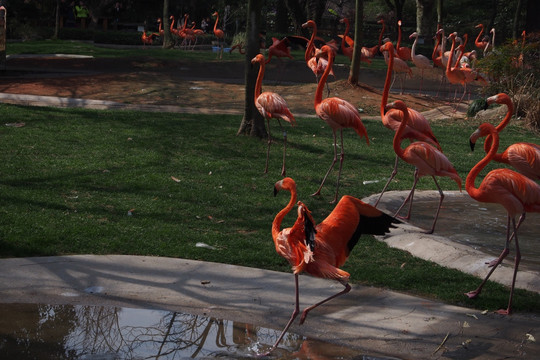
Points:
[[439, 14], [253, 122], [57, 20], [515, 27], [167, 38], [354, 71], [298, 15], [282, 17], [424, 10]]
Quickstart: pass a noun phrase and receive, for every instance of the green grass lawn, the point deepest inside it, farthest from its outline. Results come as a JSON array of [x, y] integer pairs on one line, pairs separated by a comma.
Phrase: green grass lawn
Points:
[[99, 182]]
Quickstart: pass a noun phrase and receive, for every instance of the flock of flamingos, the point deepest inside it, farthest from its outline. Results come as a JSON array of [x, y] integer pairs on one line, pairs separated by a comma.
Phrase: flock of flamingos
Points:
[[321, 249]]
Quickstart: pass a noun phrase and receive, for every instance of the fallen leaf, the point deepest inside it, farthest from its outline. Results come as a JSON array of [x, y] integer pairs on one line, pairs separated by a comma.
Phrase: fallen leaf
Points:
[[530, 338], [206, 246], [175, 179], [473, 316], [466, 324], [485, 312]]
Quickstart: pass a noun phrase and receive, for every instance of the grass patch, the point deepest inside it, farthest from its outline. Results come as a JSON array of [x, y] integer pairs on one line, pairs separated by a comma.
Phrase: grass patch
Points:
[[99, 182]]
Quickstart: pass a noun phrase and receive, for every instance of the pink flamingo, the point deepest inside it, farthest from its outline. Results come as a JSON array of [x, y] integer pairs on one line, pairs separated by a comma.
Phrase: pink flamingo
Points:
[[419, 60], [338, 114], [403, 52], [515, 192], [524, 157], [271, 105], [220, 35], [348, 49], [399, 66], [425, 157]]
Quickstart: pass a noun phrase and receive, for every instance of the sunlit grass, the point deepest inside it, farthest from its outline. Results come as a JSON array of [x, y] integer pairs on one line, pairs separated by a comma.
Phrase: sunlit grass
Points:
[[99, 182]]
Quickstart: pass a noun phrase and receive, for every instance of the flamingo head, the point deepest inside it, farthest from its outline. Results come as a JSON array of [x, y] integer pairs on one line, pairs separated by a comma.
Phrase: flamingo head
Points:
[[284, 184], [344, 20], [452, 36], [259, 58], [309, 23], [215, 14], [398, 105], [413, 35], [325, 50], [171, 17], [479, 26], [387, 46], [159, 20], [381, 21], [399, 22], [483, 130], [500, 98]]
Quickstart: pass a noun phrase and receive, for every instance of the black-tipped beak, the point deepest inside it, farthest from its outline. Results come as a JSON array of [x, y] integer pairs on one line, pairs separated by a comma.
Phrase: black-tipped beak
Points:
[[275, 191], [472, 144]]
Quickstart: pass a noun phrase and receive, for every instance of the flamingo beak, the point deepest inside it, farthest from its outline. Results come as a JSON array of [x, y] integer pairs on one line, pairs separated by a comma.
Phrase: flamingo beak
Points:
[[472, 144]]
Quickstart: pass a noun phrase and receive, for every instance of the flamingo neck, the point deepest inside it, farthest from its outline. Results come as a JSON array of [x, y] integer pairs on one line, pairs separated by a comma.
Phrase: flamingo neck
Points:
[[172, 24], [215, 24], [413, 49], [185, 23], [258, 84], [343, 42], [399, 37], [434, 54], [449, 62], [471, 177], [386, 89], [381, 35], [509, 112], [276, 224], [322, 81], [480, 34], [398, 135], [310, 47]]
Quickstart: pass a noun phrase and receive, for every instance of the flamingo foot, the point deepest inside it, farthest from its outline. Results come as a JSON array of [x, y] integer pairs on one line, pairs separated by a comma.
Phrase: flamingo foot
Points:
[[492, 263], [407, 218], [503, 311], [317, 193], [472, 294]]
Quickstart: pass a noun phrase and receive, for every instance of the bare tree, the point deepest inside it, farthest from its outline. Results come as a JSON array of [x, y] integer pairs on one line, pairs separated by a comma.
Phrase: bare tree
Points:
[[253, 122], [167, 38], [424, 10]]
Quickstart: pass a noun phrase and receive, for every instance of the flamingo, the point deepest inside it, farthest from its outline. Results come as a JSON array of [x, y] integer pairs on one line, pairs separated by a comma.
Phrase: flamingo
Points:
[[425, 157], [480, 42], [271, 105], [515, 192], [172, 28], [148, 39], [220, 35], [317, 65], [338, 114], [399, 67], [418, 127], [348, 50], [491, 43], [321, 249], [419, 60], [455, 74], [524, 157], [160, 30], [403, 52], [279, 48]]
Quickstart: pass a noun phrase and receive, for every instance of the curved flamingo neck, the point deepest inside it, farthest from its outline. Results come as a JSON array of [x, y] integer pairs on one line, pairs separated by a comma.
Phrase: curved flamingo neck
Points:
[[171, 28], [398, 135], [258, 84], [310, 47], [276, 224], [215, 24], [449, 63], [502, 99], [185, 23], [343, 42], [386, 89], [413, 49], [381, 35], [322, 82], [477, 41], [471, 177], [437, 43]]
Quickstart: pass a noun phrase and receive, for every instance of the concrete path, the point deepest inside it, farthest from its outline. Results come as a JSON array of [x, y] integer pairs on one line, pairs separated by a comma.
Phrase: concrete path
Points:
[[376, 321]]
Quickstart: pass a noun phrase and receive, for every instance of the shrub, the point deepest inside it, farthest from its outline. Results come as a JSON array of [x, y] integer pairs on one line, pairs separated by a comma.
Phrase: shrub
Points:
[[514, 69]]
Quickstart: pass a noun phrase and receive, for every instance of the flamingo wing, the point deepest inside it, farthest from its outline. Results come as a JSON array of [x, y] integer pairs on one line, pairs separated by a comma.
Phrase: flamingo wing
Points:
[[525, 157], [271, 105], [430, 161], [339, 113]]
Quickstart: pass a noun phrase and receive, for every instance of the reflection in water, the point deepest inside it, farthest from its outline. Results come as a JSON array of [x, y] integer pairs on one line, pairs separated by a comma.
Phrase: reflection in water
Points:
[[37, 331], [479, 225]]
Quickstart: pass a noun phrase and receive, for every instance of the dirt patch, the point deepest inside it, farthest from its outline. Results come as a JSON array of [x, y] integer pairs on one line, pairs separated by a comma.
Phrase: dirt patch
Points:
[[216, 84]]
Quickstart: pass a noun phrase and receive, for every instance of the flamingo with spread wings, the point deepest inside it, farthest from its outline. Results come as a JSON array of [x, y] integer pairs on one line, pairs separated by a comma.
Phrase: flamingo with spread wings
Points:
[[271, 105], [321, 249]]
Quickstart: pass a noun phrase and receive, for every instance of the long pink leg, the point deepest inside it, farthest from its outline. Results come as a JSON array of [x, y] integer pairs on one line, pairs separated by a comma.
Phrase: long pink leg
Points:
[[438, 209], [308, 309], [293, 316], [473, 294], [341, 157], [508, 310], [394, 172], [268, 148], [318, 192], [409, 197]]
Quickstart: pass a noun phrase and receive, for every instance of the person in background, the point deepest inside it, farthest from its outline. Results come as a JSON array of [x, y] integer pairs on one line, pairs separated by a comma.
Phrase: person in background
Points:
[[81, 14], [117, 10]]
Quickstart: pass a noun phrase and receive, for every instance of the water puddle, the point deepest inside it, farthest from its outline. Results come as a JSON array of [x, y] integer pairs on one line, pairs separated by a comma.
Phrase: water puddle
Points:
[[40, 331], [479, 225]]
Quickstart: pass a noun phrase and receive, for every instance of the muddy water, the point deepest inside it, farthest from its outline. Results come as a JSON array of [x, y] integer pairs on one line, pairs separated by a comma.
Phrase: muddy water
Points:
[[39, 331]]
